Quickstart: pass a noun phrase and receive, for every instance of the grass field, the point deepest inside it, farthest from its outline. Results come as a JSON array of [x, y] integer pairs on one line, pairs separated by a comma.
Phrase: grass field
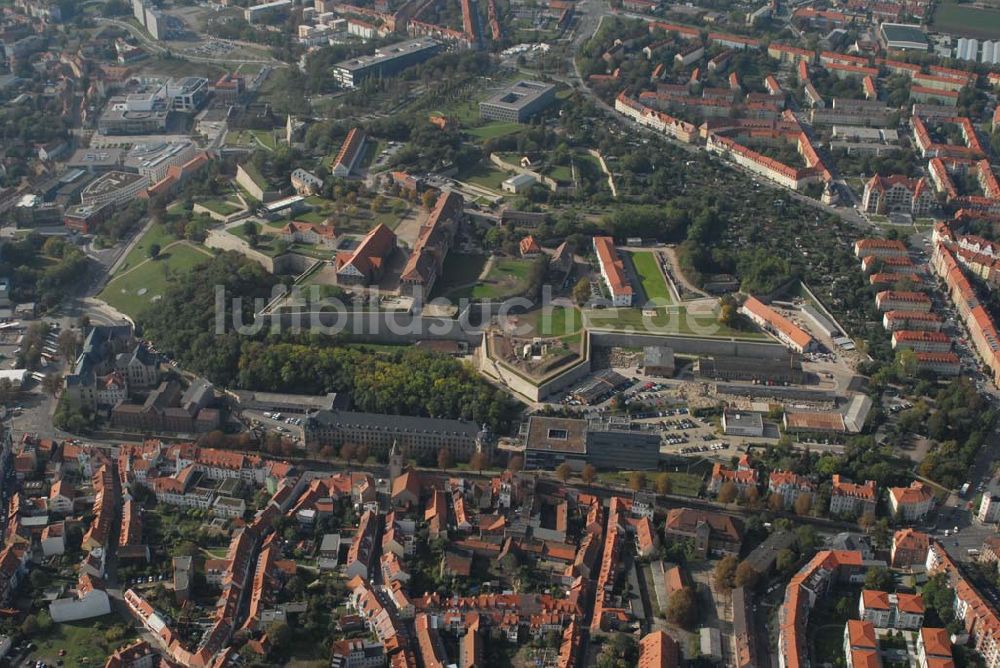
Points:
[[356, 220], [84, 642], [653, 283], [156, 234], [559, 321], [150, 278], [675, 320], [507, 278], [968, 21], [220, 206], [494, 129], [486, 176], [682, 484], [459, 269], [562, 173]]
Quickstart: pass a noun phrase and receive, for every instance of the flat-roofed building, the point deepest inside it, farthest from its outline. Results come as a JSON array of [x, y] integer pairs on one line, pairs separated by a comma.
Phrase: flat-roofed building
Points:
[[658, 361], [518, 102], [113, 188], [551, 441], [385, 62], [153, 160], [902, 37], [778, 369], [742, 423], [606, 444], [800, 421]]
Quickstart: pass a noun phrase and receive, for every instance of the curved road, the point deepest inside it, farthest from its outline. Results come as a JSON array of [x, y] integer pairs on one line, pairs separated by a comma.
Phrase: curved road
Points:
[[156, 47]]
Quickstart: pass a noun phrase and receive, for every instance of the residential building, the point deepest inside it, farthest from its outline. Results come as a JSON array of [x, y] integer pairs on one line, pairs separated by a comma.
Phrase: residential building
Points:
[[789, 486], [921, 341], [712, 533], [744, 478], [848, 498], [434, 240], [989, 509], [861, 645], [891, 611], [911, 504], [658, 650], [890, 194], [891, 300], [909, 548], [934, 648]]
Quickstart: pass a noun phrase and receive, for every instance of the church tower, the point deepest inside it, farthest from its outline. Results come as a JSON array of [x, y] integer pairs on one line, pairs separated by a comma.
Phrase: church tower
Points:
[[395, 462]]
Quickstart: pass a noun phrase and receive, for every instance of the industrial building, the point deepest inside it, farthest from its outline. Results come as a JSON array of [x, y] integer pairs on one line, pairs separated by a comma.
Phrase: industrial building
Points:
[[518, 102]]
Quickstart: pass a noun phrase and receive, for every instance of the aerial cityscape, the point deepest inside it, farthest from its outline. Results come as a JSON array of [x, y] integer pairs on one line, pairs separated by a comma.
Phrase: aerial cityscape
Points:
[[489, 333]]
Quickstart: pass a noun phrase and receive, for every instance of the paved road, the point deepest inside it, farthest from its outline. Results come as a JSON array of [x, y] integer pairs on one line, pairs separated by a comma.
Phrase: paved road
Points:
[[156, 47]]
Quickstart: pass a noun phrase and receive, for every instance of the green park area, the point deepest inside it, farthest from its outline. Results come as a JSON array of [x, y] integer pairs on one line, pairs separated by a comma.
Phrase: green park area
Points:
[[508, 277], [357, 218], [157, 235], [676, 320], [459, 269], [494, 129], [486, 176], [966, 20], [654, 285], [84, 643], [221, 206], [133, 290], [559, 321]]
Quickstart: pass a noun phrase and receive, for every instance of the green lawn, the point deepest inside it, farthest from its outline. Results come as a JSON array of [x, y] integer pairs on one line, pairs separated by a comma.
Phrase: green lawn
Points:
[[150, 278], [507, 278], [558, 321], [459, 269], [653, 282], [562, 173], [495, 129], [265, 137], [486, 176], [358, 219], [157, 234], [84, 642], [964, 20], [682, 484], [220, 206], [672, 320]]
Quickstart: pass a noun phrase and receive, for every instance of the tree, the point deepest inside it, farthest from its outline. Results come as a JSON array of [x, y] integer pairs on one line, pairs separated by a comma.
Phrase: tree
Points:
[[564, 471], [348, 451], [154, 251], [728, 492], [775, 502], [68, 344], [52, 383], [682, 608], [581, 291], [746, 575], [867, 521], [588, 474], [478, 461], [725, 572], [279, 634], [515, 464], [663, 484], [636, 480], [803, 503], [444, 459], [252, 231], [427, 199], [880, 579], [786, 560], [361, 454]]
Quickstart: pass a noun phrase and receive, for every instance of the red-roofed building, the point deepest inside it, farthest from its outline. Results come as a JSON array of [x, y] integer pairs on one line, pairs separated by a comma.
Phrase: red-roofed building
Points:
[[658, 650], [886, 194], [891, 611], [911, 503], [909, 548], [365, 264], [350, 153], [848, 498], [934, 648], [613, 271], [861, 645], [789, 486], [770, 320]]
